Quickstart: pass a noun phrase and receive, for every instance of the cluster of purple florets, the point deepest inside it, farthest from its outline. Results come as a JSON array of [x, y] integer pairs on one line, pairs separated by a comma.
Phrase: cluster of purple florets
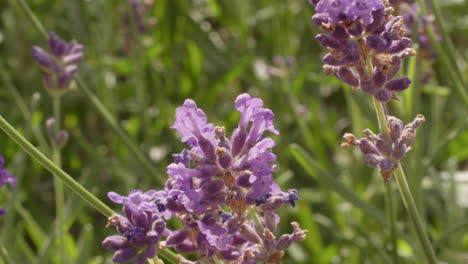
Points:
[[5, 178], [221, 189], [139, 12], [366, 45], [60, 65], [382, 152]]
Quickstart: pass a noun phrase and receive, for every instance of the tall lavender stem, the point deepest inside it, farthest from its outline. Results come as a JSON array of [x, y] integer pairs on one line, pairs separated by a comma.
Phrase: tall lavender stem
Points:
[[59, 192], [103, 111], [367, 45], [406, 195]]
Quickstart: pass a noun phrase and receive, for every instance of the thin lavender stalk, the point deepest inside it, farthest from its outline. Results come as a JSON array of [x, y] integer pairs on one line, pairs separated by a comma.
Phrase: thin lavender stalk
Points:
[[407, 197], [58, 184], [366, 45], [54, 169], [108, 117]]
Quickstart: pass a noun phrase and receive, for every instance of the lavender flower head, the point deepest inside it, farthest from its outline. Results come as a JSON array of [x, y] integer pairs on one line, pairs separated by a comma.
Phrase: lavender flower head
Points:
[[5, 178], [139, 11], [220, 185], [140, 227], [59, 66], [366, 45], [384, 152]]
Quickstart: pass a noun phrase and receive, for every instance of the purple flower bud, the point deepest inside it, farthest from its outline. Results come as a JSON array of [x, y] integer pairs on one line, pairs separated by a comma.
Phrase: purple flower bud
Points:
[[269, 241], [115, 242], [340, 33], [378, 16], [271, 221], [284, 242], [356, 28], [177, 237], [398, 85], [399, 45], [319, 19], [243, 179], [367, 147], [298, 233], [378, 78], [230, 254], [186, 247], [238, 140], [224, 158], [328, 41], [292, 196], [396, 127], [347, 75], [383, 145], [225, 217], [372, 160], [208, 148], [377, 43], [332, 60], [383, 95], [5, 176], [367, 86], [393, 28], [125, 254], [247, 232], [272, 204], [399, 150], [386, 165], [41, 57]]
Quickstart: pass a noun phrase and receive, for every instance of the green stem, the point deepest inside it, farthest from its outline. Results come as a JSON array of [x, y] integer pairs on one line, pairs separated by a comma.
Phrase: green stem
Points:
[[406, 193], [67, 179], [391, 218], [382, 117], [59, 192], [414, 215], [24, 109], [4, 256], [446, 54], [54, 169], [118, 130], [449, 47], [24, 5], [256, 218], [144, 160]]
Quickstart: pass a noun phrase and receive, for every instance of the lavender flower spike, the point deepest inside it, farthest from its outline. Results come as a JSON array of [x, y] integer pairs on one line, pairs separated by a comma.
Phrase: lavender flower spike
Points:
[[212, 188], [366, 45], [140, 227], [59, 66], [5, 178], [383, 153]]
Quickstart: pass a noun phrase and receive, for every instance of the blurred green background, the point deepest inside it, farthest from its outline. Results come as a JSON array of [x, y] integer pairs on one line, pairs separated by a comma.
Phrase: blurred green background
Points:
[[211, 51]]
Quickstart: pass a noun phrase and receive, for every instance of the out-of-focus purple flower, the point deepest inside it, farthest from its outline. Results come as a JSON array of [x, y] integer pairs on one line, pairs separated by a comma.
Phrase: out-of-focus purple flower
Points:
[[136, 14], [366, 45], [382, 152], [140, 227], [411, 13], [60, 64], [5, 178], [139, 12]]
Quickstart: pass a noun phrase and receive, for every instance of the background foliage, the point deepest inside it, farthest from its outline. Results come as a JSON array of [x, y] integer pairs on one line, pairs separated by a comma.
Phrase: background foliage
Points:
[[210, 51]]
